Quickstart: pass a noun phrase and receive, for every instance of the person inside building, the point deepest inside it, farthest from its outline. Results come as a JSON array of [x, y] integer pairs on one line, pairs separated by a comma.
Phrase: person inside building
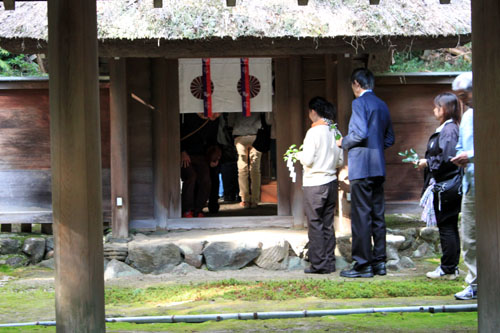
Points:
[[199, 152], [249, 177], [320, 158], [439, 169]]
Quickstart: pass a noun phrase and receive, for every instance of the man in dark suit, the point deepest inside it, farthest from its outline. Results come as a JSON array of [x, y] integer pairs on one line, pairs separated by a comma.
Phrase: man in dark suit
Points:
[[370, 132]]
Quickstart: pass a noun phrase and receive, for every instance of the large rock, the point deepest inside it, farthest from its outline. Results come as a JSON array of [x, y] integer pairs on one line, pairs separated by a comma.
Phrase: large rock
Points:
[[49, 263], [394, 241], [153, 256], [392, 253], [424, 250], [340, 264], [116, 269], [49, 244], [192, 252], [429, 234], [274, 257], [183, 269], [344, 247], [229, 255], [406, 262], [392, 265], [116, 250], [296, 264], [14, 260], [9, 246], [34, 247]]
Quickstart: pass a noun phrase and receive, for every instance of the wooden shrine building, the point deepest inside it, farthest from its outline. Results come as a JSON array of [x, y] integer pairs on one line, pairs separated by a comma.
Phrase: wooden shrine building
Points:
[[145, 39]]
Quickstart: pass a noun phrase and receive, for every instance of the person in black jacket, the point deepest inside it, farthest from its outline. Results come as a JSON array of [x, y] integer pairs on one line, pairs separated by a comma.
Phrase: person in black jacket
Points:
[[199, 153], [438, 168]]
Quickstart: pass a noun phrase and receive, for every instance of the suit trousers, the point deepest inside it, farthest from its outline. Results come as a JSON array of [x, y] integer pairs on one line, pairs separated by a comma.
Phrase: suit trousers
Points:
[[368, 221], [319, 205]]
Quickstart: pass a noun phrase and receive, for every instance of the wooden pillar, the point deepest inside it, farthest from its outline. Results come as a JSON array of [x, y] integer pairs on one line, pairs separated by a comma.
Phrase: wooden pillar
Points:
[[344, 101], [120, 203], [331, 78], [167, 162], [283, 141], [296, 132], [76, 166], [486, 68]]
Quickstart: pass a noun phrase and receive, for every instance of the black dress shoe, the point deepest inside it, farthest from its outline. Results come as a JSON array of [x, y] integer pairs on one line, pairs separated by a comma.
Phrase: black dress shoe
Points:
[[364, 272], [379, 269], [311, 270]]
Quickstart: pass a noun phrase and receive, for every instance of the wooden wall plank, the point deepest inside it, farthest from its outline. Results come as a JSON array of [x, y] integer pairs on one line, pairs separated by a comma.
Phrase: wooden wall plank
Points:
[[76, 165], [140, 143], [282, 121], [167, 141], [486, 68], [119, 149], [296, 134]]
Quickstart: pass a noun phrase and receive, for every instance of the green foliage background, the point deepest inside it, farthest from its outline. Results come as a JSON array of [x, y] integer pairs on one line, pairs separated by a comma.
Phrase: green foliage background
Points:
[[18, 65]]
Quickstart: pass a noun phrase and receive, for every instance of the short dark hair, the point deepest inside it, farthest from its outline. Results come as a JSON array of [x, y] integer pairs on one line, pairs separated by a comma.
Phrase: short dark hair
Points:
[[364, 77], [323, 108], [449, 103]]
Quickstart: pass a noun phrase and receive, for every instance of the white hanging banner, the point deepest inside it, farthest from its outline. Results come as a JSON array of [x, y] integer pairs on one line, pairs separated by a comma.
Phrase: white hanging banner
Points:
[[226, 85]]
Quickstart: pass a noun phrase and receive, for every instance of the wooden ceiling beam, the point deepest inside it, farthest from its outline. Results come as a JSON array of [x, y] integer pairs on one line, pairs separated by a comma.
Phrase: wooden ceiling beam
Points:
[[230, 3], [303, 2], [158, 3], [374, 2], [444, 2], [9, 4]]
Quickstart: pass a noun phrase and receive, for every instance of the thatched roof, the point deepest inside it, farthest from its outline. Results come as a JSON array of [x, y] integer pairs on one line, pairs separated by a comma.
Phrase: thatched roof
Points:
[[202, 20]]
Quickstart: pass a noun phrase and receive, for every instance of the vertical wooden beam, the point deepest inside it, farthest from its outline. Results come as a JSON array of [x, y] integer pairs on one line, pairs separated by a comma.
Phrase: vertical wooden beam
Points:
[[331, 78], [9, 4], [76, 165], [296, 133], [167, 163], [486, 68], [120, 203], [282, 121], [344, 101]]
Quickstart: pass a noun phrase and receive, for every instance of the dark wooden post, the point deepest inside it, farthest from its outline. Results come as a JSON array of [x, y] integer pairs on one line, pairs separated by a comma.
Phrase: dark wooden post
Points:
[[120, 202], [282, 121], [296, 132], [167, 162], [344, 100], [26, 227], [486, 68], [76, 165], [5, 227]]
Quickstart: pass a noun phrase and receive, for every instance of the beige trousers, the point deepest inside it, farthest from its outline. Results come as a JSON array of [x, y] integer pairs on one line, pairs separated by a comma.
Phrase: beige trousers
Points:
[[248, 164], [468, 236]]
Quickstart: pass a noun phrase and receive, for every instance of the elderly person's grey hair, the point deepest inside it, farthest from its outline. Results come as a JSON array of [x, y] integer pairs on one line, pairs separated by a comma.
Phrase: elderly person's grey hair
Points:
[[463, 82]]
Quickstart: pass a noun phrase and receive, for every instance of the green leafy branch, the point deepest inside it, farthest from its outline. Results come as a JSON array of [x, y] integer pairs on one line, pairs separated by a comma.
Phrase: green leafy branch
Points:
[[337, 132], [291, 153], [410, 156]]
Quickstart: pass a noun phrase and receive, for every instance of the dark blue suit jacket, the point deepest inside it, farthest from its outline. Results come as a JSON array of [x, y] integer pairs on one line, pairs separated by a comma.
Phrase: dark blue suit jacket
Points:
[[370, 132]]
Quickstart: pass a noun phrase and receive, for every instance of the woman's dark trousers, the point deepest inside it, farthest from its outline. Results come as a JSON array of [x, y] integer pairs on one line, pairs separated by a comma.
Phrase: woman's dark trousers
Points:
[[319, 204]]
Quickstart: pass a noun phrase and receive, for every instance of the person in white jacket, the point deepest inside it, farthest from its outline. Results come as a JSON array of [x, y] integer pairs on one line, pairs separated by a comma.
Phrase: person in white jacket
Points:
[[320, 158]]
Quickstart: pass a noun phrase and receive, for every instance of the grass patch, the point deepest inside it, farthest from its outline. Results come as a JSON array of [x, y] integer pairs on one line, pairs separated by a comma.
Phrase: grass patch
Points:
[[283, 290]]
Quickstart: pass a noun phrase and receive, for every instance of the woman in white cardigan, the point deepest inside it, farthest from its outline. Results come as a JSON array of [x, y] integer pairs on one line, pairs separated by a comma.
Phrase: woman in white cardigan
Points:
[[320, 158]]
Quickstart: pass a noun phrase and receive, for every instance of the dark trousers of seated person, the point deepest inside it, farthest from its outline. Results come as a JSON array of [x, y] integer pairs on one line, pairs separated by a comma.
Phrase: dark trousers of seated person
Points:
[[319, 205], [195, 184], [447, 224], [367, 221]]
